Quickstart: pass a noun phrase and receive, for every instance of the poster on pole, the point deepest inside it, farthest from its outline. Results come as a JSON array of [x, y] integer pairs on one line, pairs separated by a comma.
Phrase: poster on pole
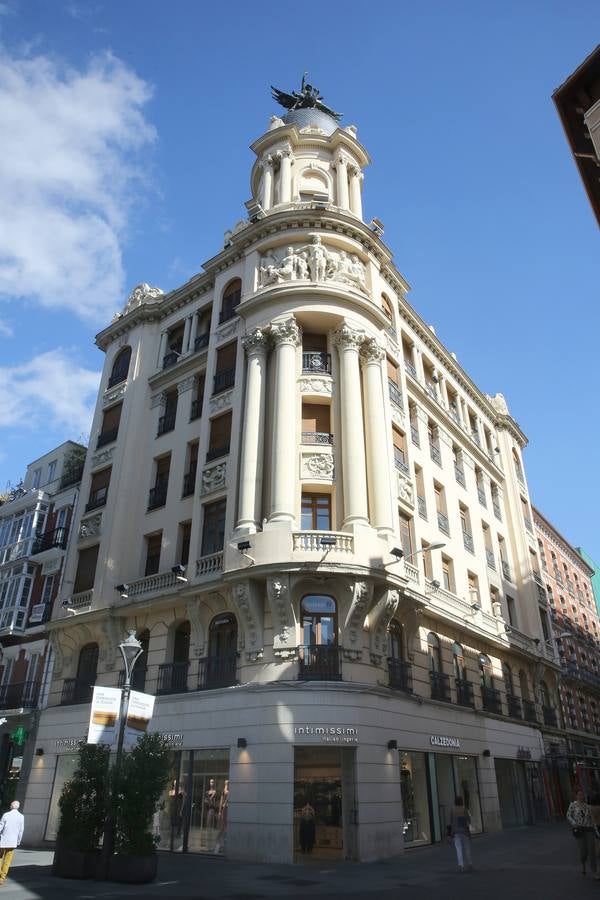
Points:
[[139, 714], [104, 715]]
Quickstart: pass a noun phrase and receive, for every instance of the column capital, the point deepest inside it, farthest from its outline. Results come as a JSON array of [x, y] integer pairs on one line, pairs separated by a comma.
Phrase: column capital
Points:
[[256, 341], [348, 337], [372, 351], [341, 160], [267, 161], [286, 332]]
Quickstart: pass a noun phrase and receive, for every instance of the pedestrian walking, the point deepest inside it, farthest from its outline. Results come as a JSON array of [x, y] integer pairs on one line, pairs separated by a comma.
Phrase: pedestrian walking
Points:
[[580, 818], [307, 828], [11, 832], [459, 830]]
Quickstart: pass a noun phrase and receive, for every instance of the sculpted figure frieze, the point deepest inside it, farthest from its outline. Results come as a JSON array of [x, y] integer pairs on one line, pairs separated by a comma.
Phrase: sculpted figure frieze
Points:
[[312, 262]]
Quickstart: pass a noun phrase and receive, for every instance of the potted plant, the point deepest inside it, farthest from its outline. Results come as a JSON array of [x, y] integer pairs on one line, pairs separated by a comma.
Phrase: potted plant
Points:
[[137, 787], [82, 814]]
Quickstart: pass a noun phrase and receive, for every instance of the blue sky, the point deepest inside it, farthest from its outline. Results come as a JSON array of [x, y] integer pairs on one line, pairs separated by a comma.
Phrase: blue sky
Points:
[[125, 131]]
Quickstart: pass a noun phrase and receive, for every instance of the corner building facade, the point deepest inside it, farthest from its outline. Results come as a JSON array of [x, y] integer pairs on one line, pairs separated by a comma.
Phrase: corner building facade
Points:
[[268, 434]]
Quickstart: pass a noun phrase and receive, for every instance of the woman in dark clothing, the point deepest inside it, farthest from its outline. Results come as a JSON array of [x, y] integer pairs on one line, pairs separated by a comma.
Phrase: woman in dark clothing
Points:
[[307, 828]]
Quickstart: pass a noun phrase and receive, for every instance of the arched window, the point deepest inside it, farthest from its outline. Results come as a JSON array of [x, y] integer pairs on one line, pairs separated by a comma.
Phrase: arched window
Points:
[[458, 662], [396, 640], [319, 657], [138, 678], [544, 694], [524, 684], [435, 652], [231, 298], [173, 676], [485, 669], [387, 308], [319, 620], [507, 675], [120, 368], [181, 643], [87, 668], [219, 668]]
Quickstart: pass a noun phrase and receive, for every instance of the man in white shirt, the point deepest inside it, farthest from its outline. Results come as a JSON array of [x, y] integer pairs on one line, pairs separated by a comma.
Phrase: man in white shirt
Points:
[[11, 832]]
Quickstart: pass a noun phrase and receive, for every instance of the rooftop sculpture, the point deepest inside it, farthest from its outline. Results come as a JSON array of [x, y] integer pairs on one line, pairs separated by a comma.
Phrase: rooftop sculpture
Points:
[[308, 98]]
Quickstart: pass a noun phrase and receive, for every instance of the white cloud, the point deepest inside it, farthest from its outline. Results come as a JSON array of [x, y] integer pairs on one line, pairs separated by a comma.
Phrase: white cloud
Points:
[[50, 391], [5, 329], [70, 169]]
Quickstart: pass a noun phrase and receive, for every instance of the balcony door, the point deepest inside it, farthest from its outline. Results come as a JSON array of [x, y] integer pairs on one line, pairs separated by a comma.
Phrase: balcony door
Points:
[[221, 664], [319, 657]]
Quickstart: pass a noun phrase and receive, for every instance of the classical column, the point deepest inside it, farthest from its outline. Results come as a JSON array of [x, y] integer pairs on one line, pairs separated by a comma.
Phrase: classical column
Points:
[[356, 176], [375, 429], [185, 344], [342, 182], [348, 341], [419, 364], [267, 195], [194, 332], [443, 389], [162, 348], [284, 452], [252, 452], [285, 175]]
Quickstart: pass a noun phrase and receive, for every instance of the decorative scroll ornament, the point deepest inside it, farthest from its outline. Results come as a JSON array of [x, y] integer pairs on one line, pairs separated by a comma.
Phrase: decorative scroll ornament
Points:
[[286, 332], [282, 615], [355, 620], [214, 478], [346, 336], [142, 294], [372, 351], [312, 262], [255, 342], [90, 527], [319, 465], [244, 597], [379, 620], [311, 385]]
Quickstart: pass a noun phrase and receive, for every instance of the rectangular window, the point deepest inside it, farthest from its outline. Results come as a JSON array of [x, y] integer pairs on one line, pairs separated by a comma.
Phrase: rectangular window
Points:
[[225, 368], [392, 371], [406, 534], [426, 554], [158, 494], [198, 397], [189, 479], [37, 477], [51, 471], [110, 425], [399, 441], [99, 489], [213, 531], [185, 533], [48, 588], [315, 421], [166, 422], [220, 436], [153, 548], [86, 569], [316, 512], [448, 574]]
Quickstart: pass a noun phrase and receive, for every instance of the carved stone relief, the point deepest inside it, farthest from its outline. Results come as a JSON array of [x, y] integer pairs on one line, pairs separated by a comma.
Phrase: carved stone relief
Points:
[[379, 619], [59, 659], [310, 384], [103, 457], [245, 598], [186, 384], [314, 263], [221, 401], [227, 330], [197, 638], [112, 632], [157, 400], [213, 478], [142, 294], [317, 467], [355, 620], [113, 395], [405, 488], [90, 527], [282, 616]]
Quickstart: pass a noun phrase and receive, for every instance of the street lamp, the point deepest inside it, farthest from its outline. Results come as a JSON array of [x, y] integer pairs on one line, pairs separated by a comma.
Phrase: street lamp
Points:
[[131, 650], [399, 553]]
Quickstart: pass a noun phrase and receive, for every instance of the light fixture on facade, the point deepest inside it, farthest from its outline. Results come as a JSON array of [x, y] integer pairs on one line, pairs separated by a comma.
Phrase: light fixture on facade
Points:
[[179, 572], [255, 210], [39, 751], [123, 589], [243, 546], [399, 553], [476, 607], [487, 753], [393, 744], [377, 227], [242, 743]]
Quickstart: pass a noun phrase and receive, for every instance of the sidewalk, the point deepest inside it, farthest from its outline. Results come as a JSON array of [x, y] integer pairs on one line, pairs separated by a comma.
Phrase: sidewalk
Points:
[[509, 864]]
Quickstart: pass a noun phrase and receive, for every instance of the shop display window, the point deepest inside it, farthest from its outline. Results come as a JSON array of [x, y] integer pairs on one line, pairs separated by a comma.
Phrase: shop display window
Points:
[[415, 799]]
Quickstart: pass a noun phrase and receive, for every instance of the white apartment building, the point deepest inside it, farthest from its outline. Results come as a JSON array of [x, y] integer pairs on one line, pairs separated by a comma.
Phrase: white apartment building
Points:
[[320, 529]]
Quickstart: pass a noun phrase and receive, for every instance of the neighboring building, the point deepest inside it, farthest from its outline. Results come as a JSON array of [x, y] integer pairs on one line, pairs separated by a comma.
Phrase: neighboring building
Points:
[[35, 518], [595, 577], [578, 105], [320, 528], [566, 578]]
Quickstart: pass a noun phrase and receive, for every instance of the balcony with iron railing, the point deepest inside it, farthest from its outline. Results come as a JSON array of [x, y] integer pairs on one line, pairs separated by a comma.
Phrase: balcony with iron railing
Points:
[[529, 711], [475, 437], [76, 690], [189, 483], [443, 523], [528, 524], [400, 675], [464, 692], [497, 510], [217, 671], [537, 578], [414, 435], [157, 496], [468, 541], [570, 587], [166, 423], [514, 707], [410, 368], [22, 695], [506, 570], [422, 507], [317, 437], [201, 342], [173, 678], [550, 717], [431, 389], [395, 394], [319, 662], [97, 499], [169, 359], [224, 380], [558, 576], [490, 700], [490, 558], [400, 461], [440, 686], [481, 496], [107, 437], [459, 474], [434, 452], [51, 540], [196, 409], [116, 378], [216, 452], [453, 412], [315, 362]]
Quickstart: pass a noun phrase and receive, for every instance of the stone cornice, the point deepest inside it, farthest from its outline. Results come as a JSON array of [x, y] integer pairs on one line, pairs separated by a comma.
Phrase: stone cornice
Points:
[[296, 138]]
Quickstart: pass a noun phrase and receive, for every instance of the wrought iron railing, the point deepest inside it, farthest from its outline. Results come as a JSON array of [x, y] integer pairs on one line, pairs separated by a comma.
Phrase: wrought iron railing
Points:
[[481, 496], [410, 368], [217, 671], [468, 541], [172, 678], [56, 539], [399, 460], [414, 435], [514, 707], [107, 437], [395, 394], [317, 437], [216, 452], [506, 570], [97, 498], [529, 711], [490, 558], [490, 699], [223, 380], [166, 423], [189, 483], [169, 359], [434, 452], [23, 695], [497, 511], [528, 525], [422, 507], [117, 378], [76, 690], [464, 692], [400, 675], [443, 523], [315, 361], [196, 409], [320, 662], [157, 496], [201, 341], [440, 686], [550, 717], [459, 474]]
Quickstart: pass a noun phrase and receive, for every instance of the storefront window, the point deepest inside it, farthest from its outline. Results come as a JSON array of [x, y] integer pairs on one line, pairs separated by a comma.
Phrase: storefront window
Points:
[[467, 785], [415, 799], [66, 766]]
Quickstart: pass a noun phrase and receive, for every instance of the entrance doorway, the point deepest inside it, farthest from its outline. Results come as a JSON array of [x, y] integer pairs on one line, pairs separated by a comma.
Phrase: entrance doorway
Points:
[[324, 803]]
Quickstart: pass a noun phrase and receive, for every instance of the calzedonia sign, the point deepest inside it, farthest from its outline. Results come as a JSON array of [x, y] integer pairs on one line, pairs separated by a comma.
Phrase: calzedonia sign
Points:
[[328, 734], [442, 740]]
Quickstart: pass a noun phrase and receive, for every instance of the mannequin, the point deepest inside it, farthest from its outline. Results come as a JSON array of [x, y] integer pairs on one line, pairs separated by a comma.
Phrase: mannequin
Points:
[[211, 802], [222, 820]]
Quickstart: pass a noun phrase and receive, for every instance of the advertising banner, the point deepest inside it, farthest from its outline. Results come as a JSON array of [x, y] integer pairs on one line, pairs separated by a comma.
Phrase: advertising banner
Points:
[[139, 713], [104, 715]]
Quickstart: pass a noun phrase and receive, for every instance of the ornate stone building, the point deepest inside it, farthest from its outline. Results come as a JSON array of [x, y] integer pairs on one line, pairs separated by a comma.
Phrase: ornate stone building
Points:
[[319, 527]]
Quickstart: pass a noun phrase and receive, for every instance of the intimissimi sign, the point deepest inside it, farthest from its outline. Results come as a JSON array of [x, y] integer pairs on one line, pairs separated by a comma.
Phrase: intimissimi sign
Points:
[[328, 734]]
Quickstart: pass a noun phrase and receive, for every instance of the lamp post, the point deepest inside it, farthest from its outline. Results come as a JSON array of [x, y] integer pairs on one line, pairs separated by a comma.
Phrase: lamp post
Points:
[[131, 650]]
